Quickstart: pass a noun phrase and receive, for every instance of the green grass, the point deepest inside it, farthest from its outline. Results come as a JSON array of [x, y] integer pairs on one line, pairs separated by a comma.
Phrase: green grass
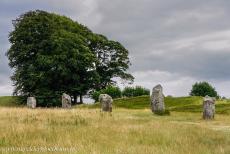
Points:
[[178, 104], [10, 101]]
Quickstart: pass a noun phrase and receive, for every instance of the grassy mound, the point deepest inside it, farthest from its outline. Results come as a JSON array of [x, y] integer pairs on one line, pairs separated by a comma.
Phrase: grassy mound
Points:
[[10, 101], [179, 104]]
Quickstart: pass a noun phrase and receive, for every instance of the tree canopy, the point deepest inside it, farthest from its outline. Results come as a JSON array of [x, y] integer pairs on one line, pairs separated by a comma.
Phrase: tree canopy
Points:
[[203, 89], [52, 54]]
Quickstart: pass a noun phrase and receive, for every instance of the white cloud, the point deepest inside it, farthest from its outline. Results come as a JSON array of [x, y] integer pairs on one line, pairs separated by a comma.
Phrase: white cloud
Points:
[[202, 14], [222, 87], [173, 83], [211, 42], [217, 45], [6, 90], [86, 11]]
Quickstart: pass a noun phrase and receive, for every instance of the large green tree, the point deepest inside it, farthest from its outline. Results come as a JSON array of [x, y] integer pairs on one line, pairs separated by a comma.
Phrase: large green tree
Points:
[[52, 54]]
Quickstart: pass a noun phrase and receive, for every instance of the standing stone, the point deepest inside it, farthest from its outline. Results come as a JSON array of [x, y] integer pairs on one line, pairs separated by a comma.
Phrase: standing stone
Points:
[[31, 102], [66, 101], [157, 100], [208, 107], [106, 102]]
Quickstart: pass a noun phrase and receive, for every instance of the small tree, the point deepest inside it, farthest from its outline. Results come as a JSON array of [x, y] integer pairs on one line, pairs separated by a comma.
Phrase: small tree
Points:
[[203, 89]]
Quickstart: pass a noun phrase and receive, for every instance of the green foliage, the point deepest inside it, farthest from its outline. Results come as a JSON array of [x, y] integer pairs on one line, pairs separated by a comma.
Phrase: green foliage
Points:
[[48, 101], [135, 91], [52, 54], [112, 61], [114, 92], [95, 95], [203, 89]]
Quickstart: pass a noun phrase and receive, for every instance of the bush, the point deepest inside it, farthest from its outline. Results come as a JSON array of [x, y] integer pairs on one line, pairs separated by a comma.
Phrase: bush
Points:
[[203, 89], [95, 95], [135, 91], [114, 92], [128, 91]]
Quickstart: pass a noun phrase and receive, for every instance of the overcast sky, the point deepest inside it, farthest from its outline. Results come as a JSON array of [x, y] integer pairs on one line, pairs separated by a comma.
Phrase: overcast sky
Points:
[[171, 42]]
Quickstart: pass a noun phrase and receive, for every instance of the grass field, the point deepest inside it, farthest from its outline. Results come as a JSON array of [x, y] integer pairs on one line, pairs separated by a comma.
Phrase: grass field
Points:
[[132, 128]]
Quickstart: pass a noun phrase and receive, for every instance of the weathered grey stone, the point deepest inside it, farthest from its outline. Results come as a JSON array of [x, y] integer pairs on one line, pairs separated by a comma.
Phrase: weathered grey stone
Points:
[[66, 101], [157, 99], [208, 107], [31, 102], [106, 102]]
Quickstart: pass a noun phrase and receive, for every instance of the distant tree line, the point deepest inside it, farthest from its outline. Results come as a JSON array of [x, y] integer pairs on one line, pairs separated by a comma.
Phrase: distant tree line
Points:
[[51, 54]]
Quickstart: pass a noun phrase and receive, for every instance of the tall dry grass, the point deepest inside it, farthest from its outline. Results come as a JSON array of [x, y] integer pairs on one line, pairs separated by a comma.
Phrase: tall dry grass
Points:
[[126, 131]]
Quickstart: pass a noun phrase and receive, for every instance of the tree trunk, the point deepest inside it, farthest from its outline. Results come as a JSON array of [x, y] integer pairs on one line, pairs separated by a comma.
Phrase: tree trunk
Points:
[[75, 99], [81, 99]]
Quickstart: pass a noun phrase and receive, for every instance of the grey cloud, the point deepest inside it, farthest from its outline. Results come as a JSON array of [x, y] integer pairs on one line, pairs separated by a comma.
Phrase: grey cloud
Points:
[[198, 65], [147, 27], [186, 41], [149, 19]]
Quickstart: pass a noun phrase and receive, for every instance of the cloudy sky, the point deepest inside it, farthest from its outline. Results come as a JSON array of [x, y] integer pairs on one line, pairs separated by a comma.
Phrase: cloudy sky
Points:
[[172, 42]]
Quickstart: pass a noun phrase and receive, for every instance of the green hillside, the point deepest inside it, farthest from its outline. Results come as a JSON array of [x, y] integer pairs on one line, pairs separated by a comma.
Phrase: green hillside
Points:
[[10, 101], [179, 104]]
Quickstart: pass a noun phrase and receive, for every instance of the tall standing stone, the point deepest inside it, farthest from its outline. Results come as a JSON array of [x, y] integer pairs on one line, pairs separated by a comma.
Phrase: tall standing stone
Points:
[[31, 102], [66, 101], [106, 102], [157, 100], [208, 107]]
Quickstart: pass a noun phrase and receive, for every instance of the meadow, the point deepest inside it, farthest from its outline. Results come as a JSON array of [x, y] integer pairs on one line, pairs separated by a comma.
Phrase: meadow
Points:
[[132, 127]]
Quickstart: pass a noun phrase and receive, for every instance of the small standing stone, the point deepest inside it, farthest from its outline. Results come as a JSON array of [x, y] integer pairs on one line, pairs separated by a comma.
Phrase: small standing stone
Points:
[[66, 101], [31, 102], [157, 99], [106, 102], [208, 107]]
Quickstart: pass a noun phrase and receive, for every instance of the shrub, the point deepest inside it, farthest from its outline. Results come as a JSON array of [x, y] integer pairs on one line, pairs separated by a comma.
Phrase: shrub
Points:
[[95, 95], [128, 91], [114, 92], [203, 89], [135, 91]]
